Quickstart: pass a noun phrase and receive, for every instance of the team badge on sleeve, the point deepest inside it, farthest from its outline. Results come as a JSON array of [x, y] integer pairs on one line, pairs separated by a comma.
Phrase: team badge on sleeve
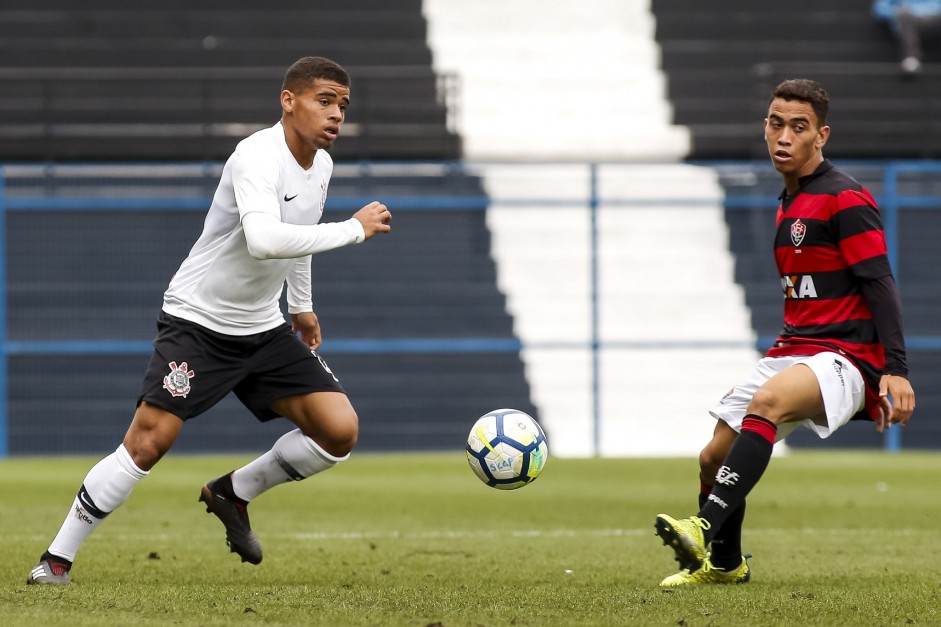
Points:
[[177, 383]]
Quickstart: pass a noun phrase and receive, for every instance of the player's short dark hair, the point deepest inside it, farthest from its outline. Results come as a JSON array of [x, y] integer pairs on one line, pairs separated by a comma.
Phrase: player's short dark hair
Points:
[[306, 70], [805, 90]]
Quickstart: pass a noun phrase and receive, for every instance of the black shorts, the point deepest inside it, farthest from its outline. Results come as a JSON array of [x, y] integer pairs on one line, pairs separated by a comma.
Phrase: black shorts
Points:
[[193, 368]]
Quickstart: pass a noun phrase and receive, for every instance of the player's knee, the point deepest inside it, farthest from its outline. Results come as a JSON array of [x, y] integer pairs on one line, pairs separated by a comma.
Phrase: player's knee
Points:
[[338, 435], [342, 442], [145, 452], [151, 434], [766, 403], [327, 419], [709, 462]]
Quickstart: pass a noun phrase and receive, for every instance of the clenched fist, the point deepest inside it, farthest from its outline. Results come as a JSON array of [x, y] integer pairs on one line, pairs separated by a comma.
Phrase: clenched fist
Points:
[[375, 218]]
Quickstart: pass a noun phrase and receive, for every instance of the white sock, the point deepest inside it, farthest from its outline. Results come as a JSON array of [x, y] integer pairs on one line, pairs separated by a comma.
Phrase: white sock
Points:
[[292, 458], [106, 486]]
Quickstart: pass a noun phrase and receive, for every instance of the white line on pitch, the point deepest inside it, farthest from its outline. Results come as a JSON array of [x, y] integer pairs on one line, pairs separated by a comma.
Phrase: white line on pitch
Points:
[[450, 534]]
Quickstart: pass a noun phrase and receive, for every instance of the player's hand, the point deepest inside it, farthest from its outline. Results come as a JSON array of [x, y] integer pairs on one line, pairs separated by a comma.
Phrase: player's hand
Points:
[[375, 218], [307, 327], [899, 409]]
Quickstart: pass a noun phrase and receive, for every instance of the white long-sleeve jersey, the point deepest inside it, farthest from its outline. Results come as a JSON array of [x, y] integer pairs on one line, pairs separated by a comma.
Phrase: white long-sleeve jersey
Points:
[[260, 231]]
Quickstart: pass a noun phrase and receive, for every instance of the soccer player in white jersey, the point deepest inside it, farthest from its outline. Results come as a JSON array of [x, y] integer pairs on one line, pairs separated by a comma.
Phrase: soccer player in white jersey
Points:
[[221, 328]]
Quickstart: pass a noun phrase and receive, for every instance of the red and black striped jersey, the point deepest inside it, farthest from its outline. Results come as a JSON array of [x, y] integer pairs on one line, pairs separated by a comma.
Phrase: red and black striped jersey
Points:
[[829, 242]]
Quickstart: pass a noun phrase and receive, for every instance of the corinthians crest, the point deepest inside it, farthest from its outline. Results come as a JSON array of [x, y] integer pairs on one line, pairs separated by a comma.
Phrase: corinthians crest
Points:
[[177, 383], [798, 231]]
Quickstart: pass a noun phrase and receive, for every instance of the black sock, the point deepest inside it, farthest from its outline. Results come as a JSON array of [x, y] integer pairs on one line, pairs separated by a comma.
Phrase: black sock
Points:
[[726, 550], [746, 462]]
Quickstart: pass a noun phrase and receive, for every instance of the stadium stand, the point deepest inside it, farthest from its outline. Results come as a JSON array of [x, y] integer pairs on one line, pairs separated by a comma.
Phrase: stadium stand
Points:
[[749, 189], [723, 60], [570, 84], [431, 283], [151, 87], [106, 81], [436, 279], [556, 81]]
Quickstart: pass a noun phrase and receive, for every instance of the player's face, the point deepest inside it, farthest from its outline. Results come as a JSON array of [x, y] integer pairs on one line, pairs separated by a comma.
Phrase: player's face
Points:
[[316, 114], [795, 141]]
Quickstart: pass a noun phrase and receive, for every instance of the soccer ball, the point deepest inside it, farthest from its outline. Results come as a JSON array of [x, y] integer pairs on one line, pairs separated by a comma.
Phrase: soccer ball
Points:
[[507, 449]]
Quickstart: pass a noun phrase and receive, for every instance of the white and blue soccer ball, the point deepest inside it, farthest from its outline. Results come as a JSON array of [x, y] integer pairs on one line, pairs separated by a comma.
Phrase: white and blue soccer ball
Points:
[[507, 449]]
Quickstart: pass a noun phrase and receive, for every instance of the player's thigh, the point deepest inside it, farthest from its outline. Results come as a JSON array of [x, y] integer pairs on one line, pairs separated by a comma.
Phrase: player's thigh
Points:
[[735, 405], [328, 418], [791, 395], [842, 389], [281, 367], [192, 368]]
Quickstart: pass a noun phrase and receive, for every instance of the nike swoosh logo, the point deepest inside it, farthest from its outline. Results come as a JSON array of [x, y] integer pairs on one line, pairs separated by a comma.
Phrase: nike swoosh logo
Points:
[[286, 199]]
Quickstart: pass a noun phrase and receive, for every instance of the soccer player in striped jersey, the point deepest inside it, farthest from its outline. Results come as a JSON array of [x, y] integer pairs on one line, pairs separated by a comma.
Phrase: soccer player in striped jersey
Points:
[[839, 357], [221, 328]]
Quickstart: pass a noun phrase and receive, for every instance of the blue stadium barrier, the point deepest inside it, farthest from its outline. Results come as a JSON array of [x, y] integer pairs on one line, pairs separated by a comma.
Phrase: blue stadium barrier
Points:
[[891, 202]]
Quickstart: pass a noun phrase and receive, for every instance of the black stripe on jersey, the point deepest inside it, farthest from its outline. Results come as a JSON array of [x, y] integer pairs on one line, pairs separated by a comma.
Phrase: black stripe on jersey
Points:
[[833, 284], [831, 181], [850, 331], [855, 220], [873, 268], [818, 233]]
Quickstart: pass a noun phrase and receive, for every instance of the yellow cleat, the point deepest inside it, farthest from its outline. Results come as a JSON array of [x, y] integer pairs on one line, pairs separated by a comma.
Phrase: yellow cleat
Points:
[[708, 573], [686, 538]]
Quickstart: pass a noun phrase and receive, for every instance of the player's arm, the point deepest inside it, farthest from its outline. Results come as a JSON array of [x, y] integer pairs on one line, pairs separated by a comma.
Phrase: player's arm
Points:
[[882, 297], [307, 327], [255, 185], [858, 226], [375, 218], [300, 303], [270, 238]]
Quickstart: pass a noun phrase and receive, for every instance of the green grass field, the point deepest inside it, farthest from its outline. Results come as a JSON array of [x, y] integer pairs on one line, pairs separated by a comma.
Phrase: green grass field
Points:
[[838, 539]]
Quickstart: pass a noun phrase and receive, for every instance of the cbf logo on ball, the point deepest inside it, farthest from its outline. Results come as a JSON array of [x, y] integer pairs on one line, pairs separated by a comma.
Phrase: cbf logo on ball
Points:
[[177, 383]]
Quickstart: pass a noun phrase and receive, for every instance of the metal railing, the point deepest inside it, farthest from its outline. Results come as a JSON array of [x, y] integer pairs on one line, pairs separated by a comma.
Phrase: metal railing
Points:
[[188, 187]]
